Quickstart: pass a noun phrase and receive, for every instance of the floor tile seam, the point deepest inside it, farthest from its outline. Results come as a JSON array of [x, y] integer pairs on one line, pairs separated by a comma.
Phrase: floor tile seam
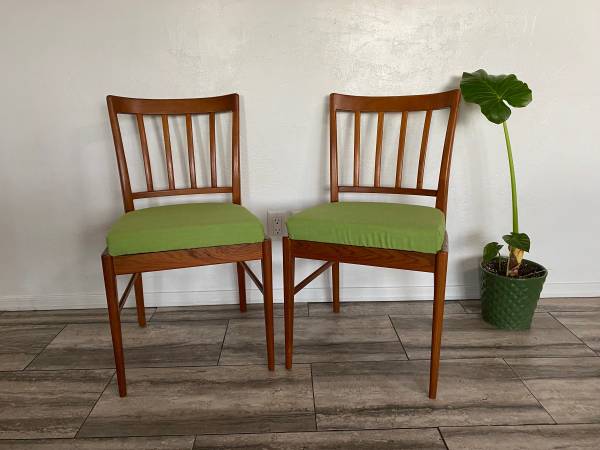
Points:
[[570, 331], [524, 383], [95, 403], [44, 349]]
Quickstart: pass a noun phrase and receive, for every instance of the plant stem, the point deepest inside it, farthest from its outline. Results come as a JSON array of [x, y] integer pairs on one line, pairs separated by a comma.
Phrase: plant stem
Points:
[[513, 182]]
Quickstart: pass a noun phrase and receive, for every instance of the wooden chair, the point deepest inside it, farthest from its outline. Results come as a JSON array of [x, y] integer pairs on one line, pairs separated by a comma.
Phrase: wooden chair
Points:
[[178, 236], [399, 236]]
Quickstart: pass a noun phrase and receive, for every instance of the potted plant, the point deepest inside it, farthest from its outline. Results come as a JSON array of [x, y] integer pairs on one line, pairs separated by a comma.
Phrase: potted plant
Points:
[[510, 286]]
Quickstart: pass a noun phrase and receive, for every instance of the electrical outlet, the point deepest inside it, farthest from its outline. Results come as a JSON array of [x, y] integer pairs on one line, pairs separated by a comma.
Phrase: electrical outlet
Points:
[[276, 223]]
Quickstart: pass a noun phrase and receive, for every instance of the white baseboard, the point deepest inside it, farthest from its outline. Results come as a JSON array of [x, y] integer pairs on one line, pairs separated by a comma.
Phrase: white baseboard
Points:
[[187, 298]]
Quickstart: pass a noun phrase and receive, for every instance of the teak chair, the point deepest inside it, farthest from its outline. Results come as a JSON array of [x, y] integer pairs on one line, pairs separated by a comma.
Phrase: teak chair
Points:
[[185, 235], [391, 235]]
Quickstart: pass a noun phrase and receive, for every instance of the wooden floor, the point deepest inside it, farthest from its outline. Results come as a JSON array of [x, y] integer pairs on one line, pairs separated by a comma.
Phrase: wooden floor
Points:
[[197, 378]]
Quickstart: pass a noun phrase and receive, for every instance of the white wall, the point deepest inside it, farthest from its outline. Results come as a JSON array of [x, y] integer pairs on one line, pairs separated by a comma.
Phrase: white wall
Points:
[[58, 180]]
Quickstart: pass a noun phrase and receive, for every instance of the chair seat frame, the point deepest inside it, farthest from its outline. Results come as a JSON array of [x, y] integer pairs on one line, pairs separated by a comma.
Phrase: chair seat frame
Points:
[[137, 264], [335, 254]]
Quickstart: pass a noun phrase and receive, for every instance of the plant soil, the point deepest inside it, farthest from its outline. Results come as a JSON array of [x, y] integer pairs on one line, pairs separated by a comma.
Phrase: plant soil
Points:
[[528, 269]]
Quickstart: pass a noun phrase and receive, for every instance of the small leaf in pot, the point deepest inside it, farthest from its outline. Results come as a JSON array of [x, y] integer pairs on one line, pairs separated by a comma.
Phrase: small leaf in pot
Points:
[[492, 92], [517, 240], [491, 250]]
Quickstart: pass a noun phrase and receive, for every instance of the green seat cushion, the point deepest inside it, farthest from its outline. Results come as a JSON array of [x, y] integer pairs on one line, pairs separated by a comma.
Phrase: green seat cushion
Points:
[[367, 224], [177, 227]]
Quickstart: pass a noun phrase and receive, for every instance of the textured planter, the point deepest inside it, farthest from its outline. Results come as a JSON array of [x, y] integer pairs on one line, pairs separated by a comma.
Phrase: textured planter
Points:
[[509, 303]]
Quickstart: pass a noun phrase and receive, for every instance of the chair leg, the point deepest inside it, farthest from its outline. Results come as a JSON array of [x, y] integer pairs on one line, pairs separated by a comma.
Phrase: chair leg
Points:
[[241, 278], [139, 301], [439, 296], [288, 300], [112, 299], [267, 274], [335, 281]]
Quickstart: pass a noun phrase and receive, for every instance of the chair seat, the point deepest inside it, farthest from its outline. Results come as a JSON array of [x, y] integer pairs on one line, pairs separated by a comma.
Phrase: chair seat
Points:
[[177, 227], [369, 224]]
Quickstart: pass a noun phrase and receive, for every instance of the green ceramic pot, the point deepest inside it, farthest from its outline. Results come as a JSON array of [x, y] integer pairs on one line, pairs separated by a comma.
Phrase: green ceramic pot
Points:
[[509, 303]]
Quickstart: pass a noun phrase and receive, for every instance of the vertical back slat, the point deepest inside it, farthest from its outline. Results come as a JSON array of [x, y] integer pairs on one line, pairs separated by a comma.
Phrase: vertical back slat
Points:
[[168, 152], [357, 148], [190, 145], [401, 142], [213, 151], [145, 154], [378, 147], [423, 152]]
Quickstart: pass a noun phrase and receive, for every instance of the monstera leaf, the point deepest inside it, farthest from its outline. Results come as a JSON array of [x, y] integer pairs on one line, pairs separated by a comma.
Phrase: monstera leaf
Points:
[[517, 240], [491, 250], [492, 92]]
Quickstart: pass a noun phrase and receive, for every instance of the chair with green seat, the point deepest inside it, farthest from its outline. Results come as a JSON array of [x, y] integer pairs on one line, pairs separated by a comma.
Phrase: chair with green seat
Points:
[[394, 235], [181, 235]]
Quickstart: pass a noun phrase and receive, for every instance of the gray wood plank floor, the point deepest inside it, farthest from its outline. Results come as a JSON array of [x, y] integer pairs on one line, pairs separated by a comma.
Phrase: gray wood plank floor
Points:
[[197, 379]]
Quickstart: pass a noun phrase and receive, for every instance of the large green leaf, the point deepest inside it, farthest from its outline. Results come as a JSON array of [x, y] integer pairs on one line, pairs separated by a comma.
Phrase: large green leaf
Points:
[[518, 240], [492, 92], [491, 250]]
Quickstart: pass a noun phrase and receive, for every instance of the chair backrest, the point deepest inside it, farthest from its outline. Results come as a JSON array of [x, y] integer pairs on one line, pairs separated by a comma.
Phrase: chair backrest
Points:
[[405, 105], [175, 107]]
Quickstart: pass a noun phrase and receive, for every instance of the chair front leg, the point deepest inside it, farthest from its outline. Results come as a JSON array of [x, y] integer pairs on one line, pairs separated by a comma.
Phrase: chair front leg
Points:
[[267, 273], [439, 296], [335, 281], [241, 278], [288, 300], [139, 301], [112, 299]]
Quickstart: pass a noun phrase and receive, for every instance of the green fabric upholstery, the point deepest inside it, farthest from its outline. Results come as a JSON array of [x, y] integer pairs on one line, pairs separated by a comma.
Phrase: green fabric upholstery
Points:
[[177, 227], [368, 224]]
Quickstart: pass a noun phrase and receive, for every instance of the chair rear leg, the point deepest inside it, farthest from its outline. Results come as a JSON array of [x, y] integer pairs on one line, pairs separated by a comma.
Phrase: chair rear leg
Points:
[[267, 273], [139, 301], [241, 278], [335, 281], [439, 296], [112, 299], [288, 300]]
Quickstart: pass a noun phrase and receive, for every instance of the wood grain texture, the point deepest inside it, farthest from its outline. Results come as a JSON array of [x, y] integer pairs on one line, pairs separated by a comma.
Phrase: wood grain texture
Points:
[[22, 343], [370, 256], [330, 440], [177, 259], [584, 324], [378, 149], [126, 443], [383, 308], [205, 401], [356, 176], [393, 394], [401, 144], [423, 151], [168, 151], [145, 153], [48, 404], [65, 316], [160, 344], [468, 336], [568, 388], [316, 339], [563, 304], [221, 312], [547, 437], [190, 145], [213, 150]]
